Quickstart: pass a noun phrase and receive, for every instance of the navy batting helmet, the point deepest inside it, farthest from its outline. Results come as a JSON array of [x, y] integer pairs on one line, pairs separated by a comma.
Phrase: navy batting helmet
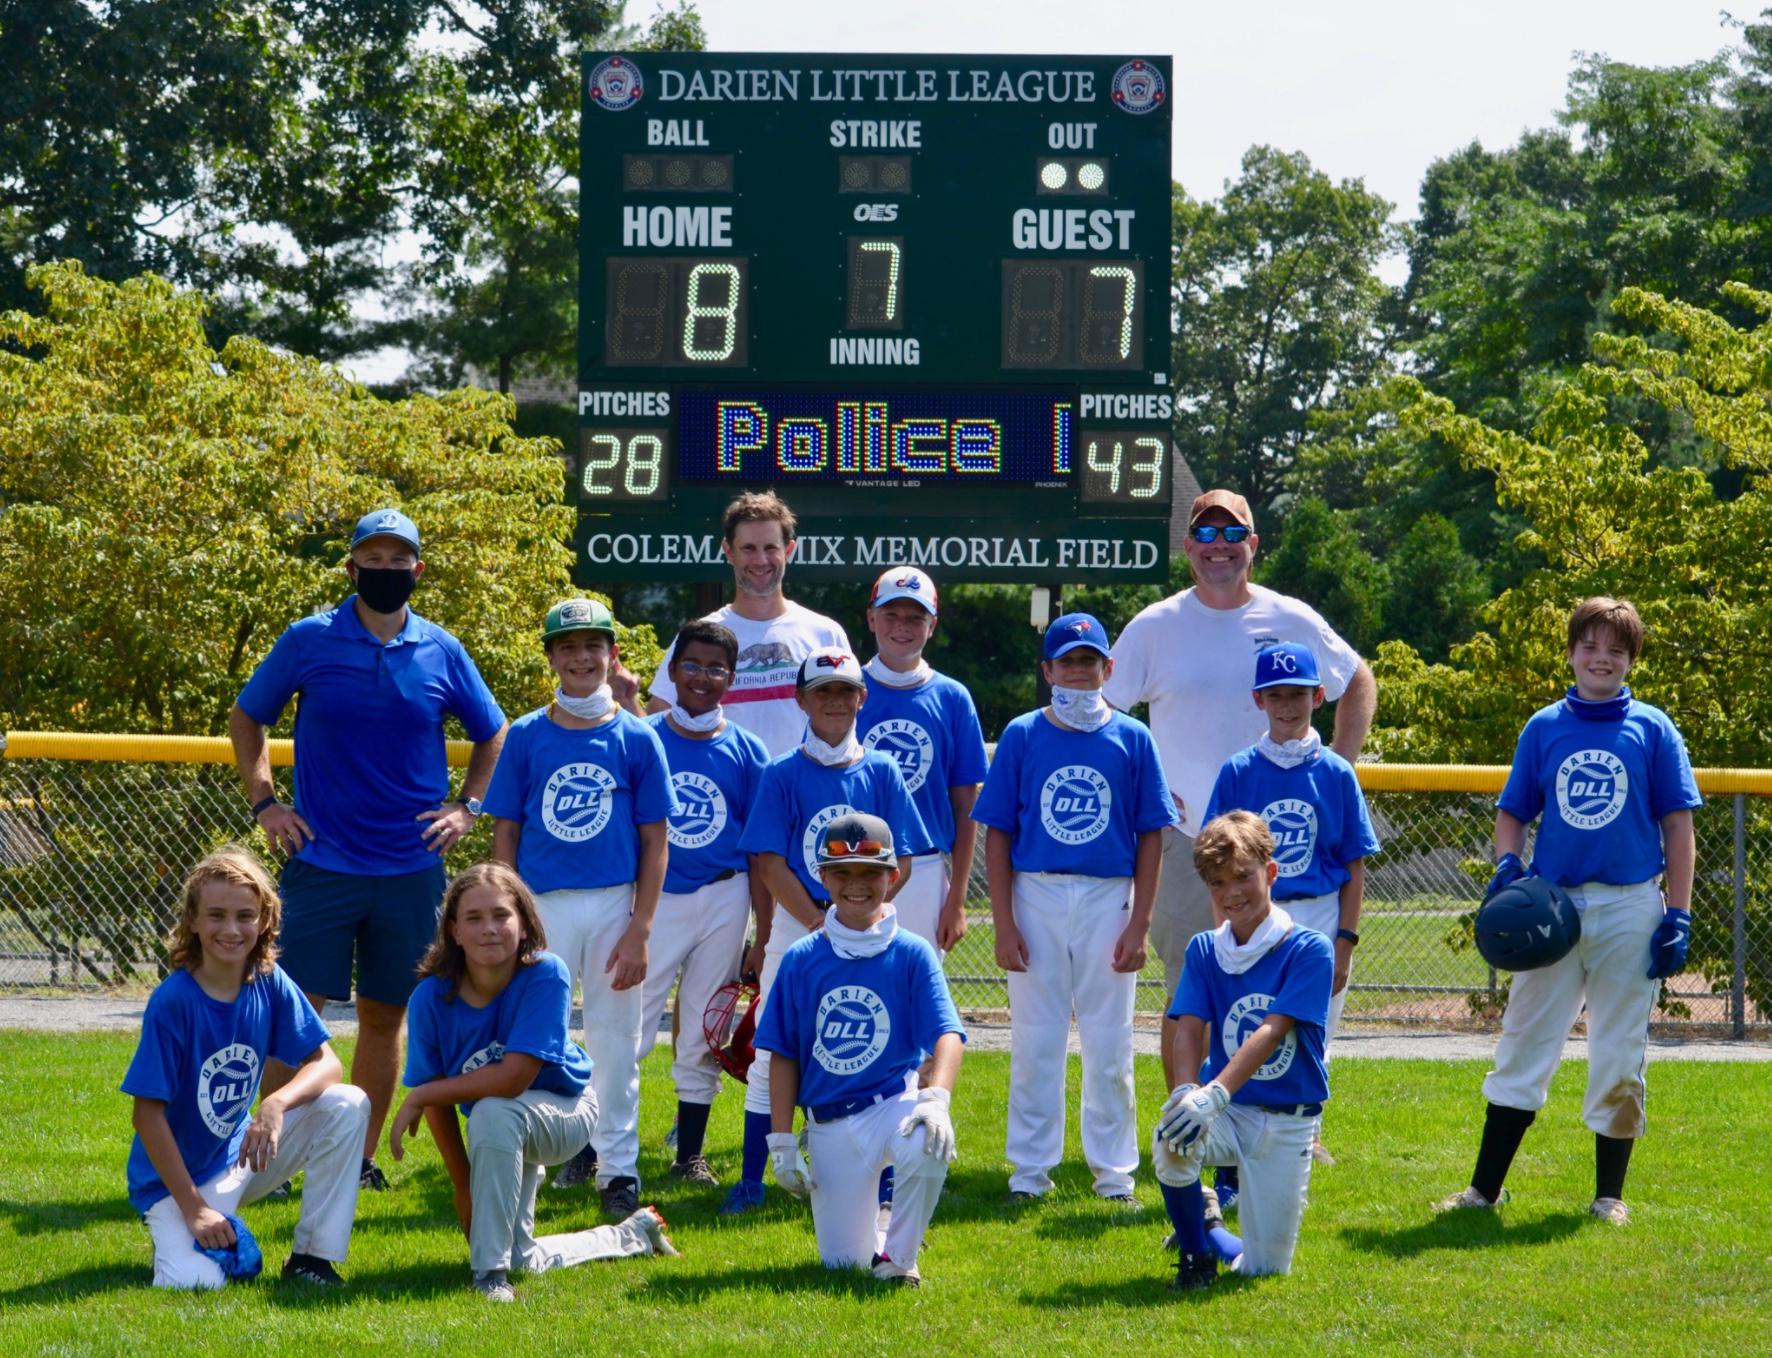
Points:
[[1529, 923]]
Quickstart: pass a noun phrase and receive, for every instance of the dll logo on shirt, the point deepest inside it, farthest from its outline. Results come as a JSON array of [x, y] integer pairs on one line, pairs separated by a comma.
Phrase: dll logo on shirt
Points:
[[1591, 788], [577, 802], [225, 1086], [908, 744], [1240, 1023], [703, 811], [1074, 804], [1294, 827], [489, 1055], [852, 1029]]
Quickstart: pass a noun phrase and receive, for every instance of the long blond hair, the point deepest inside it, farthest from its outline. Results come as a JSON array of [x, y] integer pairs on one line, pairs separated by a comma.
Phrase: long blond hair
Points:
[[236, 866], [445, 957]]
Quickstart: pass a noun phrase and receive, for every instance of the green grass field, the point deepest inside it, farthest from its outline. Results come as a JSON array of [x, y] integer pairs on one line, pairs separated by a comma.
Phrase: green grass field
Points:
[[1376, 1272]]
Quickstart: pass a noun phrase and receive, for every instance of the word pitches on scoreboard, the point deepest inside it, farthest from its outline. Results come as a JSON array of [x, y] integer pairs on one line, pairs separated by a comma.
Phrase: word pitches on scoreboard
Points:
[[926, 299]]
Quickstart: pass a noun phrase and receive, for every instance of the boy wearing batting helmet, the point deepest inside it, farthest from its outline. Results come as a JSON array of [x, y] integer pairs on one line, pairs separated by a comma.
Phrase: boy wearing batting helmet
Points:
[[830, 776], [581, 795], [1249, 1014], [928, 723], [1607, 778], [1075, 804], [1313, 806], [699, 932], [856, 1009]]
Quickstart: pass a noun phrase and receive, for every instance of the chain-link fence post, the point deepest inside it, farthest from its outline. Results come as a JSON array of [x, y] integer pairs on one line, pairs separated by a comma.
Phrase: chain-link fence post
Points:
[[1738, 978]]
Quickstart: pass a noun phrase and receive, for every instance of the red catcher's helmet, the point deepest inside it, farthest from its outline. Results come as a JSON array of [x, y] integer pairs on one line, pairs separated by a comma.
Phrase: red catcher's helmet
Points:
[[730, 1041]]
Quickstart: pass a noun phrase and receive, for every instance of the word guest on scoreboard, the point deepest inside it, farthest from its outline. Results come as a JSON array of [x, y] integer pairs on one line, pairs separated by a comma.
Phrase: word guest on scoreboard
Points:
[[925, 298]]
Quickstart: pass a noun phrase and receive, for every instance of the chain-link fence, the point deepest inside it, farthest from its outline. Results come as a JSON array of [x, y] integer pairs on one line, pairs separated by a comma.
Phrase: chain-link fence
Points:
[[96, 834]]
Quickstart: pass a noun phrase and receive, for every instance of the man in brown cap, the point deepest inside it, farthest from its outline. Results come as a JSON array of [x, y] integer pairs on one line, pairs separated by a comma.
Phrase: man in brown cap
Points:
[[1192, 658]]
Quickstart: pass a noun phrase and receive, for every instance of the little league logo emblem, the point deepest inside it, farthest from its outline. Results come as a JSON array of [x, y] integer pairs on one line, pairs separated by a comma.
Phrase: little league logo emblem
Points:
[[615, 84], [853, 1028], [702, 813], [908, 744], [1137, 87], [1245, 1016], [1591, 788], [814, 828], [490, 1054], [1074, 804], [225, 1086], [1294, 827], [577, 801]]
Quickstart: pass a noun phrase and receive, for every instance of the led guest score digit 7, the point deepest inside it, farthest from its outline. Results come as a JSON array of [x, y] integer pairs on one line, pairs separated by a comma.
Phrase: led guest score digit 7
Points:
[[926, 298]]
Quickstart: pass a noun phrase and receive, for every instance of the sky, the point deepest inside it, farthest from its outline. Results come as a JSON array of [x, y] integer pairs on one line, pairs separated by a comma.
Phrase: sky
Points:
[[1375, 90]]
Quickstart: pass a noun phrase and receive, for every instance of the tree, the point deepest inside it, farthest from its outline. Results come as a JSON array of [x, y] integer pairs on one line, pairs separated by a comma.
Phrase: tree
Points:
[[1278, 307], [166, 509]]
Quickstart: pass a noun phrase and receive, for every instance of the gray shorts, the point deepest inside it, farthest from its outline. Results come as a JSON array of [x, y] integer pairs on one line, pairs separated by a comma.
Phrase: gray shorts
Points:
[[1184, 907]]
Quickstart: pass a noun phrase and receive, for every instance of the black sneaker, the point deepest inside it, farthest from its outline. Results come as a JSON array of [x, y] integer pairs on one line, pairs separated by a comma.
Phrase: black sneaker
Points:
[[695, 1170], [621, 1197], [371, 1177], [281, 1192], [576, 1172], [316, 1272], [1194, 1272]]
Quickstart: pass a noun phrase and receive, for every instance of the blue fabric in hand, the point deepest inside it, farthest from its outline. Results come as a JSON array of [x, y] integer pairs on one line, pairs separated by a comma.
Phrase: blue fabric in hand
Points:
[[1667, 949], [1508, 869], [240, 1260]]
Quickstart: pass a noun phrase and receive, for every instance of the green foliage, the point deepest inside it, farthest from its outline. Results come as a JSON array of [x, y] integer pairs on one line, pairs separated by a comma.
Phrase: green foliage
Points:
[[1320, 559], [167, 509]]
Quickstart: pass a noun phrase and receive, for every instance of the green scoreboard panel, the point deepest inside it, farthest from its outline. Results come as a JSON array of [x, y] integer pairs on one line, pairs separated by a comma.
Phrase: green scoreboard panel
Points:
[[924, 298]]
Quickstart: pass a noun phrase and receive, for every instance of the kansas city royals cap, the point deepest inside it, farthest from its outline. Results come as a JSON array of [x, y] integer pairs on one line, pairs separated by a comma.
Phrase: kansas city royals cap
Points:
[[903, 582], [831, 665], [1073, 630], [385, 523], [856, 838], [577, 615], [1287, 663]]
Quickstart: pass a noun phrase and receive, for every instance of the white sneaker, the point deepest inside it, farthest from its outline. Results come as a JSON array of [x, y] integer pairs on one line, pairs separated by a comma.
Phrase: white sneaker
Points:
[[494, 1285], [1613, 1211], [650, 1224], [888, 1272], [1468, 1197]]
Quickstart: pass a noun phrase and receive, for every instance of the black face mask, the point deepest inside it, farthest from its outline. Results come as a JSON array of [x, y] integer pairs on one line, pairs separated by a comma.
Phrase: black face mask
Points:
[[386, 591]]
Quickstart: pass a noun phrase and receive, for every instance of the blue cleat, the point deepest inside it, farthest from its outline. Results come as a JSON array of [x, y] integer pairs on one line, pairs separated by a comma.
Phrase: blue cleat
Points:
[[745, 1196]]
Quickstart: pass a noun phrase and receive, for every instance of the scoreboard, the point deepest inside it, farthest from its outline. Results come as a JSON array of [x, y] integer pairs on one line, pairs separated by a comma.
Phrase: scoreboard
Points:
[[925, 299]]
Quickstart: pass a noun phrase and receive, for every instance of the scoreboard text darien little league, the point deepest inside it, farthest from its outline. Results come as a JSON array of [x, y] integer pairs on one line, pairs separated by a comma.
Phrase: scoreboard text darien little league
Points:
[[926, 299]]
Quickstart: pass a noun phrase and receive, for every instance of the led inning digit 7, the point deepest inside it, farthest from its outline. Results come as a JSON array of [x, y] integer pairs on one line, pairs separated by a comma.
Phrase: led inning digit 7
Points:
[[893, 255]]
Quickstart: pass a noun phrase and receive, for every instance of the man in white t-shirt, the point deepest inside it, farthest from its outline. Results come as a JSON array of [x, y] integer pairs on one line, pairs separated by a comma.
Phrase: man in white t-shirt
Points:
[[774, 634], [1192, 658]]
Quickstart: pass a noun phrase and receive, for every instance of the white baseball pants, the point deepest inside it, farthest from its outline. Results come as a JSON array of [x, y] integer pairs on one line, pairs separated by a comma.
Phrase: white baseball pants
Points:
[[847, 1156], [324, 1137], [1070, 924], [1606, 968], [783, 934], [1273, 1154], [698, 942], [583, 928], [919, 904], [1323, 913], [511, 1143]]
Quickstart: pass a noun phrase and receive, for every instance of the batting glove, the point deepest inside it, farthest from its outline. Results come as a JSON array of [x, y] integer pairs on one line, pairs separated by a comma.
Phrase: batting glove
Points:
[[1193, 1115], [791, 1170], [1667, 949], [932, 1114], [1170, 1104], [1508, 869]]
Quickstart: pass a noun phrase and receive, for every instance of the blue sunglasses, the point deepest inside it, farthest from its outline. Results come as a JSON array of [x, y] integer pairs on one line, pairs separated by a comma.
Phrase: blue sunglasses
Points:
[[1208, 532]]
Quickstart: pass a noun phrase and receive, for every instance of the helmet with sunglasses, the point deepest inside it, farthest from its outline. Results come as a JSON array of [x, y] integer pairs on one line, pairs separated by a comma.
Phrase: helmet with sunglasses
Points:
[[856, 838]]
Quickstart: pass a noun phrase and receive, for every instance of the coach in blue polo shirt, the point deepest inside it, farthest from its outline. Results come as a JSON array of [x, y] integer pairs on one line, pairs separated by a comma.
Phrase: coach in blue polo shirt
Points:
[[373, 814]]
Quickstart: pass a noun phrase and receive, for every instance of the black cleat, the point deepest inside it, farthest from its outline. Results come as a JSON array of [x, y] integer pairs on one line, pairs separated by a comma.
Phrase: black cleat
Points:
[[1195, 1272], [577, 1171], [695, 1170], [372, 1178], [621, 1197], [314, 1271]]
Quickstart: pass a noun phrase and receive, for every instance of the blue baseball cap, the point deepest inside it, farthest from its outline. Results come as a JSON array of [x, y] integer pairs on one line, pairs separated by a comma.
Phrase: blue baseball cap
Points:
[[385, 523], [1073, 630], [1287, 663]]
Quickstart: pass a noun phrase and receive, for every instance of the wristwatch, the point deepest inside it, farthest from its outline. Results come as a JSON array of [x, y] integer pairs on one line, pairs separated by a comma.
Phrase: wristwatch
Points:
[[473, 804]]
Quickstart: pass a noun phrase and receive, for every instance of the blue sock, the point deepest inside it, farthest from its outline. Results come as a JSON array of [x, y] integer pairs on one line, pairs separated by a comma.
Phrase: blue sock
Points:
[[886, 1185], [1187, 1213], [756, 1146], [1224, 1244]]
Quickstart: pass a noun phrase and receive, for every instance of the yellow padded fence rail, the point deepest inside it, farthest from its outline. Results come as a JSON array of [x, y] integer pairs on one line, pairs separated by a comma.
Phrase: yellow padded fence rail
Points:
[[1374, 777]]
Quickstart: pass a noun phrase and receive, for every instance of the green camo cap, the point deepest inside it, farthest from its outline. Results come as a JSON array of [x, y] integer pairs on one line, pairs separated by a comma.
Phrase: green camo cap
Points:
[[577, 615]]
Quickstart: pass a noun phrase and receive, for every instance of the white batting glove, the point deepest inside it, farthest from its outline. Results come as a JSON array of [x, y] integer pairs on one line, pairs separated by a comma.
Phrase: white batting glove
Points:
[[791, 1170], [1194, 1112], [932, 1114]]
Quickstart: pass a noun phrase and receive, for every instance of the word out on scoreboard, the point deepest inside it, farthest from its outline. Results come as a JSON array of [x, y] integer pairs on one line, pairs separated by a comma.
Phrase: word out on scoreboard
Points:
[[880, 286]]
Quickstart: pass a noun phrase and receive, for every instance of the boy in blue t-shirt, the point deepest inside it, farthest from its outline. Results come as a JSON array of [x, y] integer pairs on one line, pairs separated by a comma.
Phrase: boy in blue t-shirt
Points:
[[1075, 803], [803, 791], [927, 722], [581, 794], [224, 1009], [858, 1007], [698, 935], [1249, 1011], [1608, 780], [1311, 800]]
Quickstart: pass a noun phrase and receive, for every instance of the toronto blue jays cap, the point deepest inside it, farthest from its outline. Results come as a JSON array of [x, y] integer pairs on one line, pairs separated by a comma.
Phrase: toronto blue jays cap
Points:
[[831, 665], [385, 523], [903, 582], [1073, 630], [1287, 663]]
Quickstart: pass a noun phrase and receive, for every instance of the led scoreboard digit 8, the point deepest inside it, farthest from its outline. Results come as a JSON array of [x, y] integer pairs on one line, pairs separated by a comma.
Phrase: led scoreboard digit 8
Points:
[[924, 298]]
